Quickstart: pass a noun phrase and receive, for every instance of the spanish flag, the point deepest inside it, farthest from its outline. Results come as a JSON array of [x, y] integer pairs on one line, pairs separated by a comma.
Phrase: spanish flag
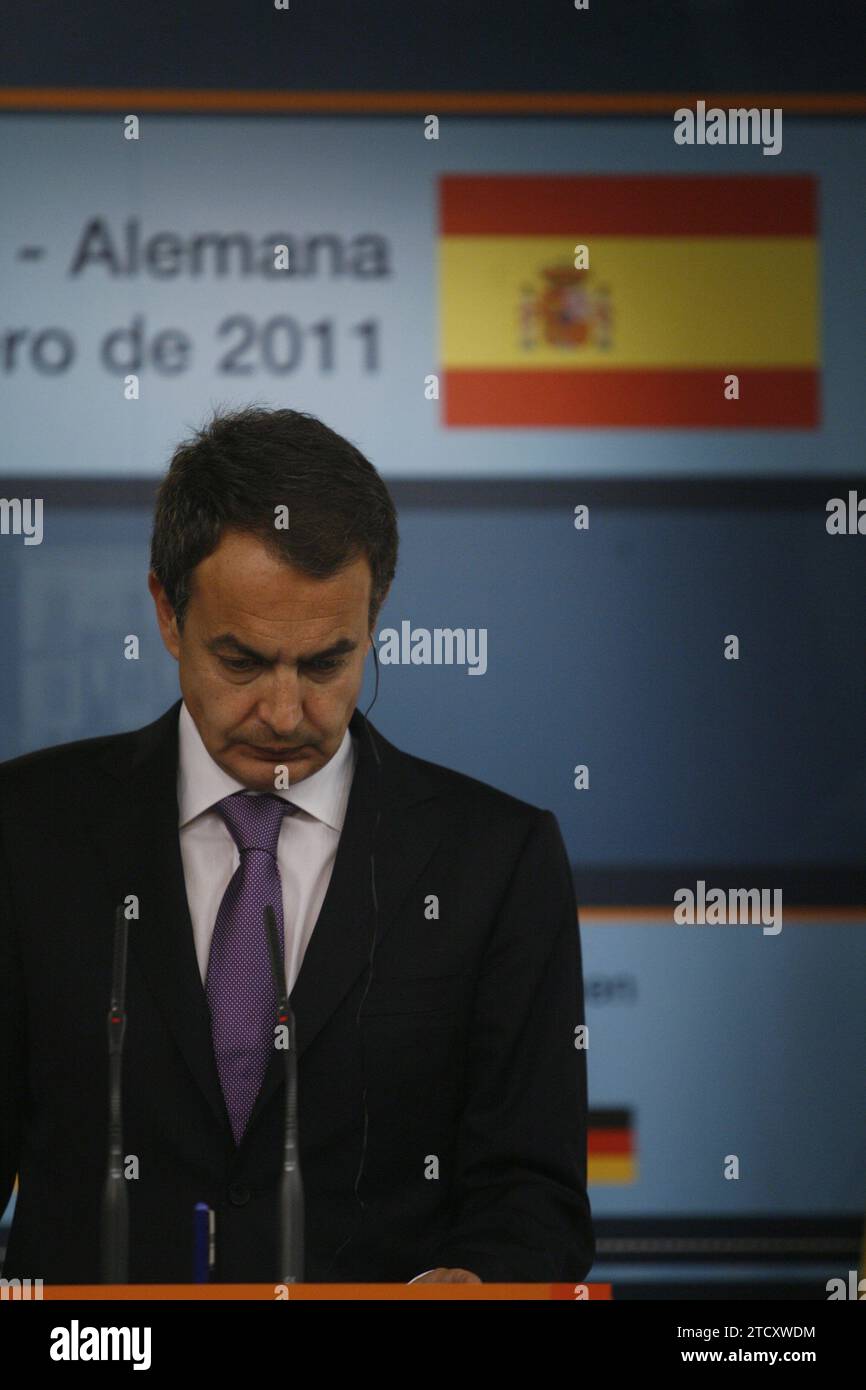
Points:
[[694, 303]]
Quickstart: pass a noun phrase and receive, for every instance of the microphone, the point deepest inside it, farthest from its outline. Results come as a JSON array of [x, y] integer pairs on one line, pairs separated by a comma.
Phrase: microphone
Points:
[[291, 1199], [115, 1207]]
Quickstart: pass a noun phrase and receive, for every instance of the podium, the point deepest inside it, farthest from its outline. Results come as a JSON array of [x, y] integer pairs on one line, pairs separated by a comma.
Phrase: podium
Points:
[[295, 1293]]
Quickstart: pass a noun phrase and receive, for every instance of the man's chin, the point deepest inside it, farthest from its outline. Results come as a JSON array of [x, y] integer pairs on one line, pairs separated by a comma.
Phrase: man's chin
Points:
[[260, 770]]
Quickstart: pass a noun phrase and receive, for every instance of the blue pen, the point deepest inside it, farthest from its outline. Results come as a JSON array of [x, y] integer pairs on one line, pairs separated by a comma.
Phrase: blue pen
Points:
[[202, 1245]]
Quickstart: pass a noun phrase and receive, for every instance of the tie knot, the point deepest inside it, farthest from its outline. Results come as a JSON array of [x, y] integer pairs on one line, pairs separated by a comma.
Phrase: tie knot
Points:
[[254, 821]]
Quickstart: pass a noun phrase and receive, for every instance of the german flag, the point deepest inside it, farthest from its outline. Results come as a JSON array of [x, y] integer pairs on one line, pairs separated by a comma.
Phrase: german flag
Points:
[[691, 280], [611, 1148]]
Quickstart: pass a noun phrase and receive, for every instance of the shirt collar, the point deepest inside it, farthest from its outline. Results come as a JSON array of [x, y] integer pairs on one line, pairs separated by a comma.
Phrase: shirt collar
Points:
[[201, 782]]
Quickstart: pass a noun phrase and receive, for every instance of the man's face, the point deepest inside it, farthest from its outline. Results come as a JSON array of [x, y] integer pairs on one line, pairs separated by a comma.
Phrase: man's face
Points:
[[271, 662]]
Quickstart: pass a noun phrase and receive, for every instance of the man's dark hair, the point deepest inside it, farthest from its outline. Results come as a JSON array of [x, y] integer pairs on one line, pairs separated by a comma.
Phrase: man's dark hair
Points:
[[236, 471]]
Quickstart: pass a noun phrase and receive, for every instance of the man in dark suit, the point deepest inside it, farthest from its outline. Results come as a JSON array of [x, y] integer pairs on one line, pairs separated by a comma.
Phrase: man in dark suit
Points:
[[427, 920]]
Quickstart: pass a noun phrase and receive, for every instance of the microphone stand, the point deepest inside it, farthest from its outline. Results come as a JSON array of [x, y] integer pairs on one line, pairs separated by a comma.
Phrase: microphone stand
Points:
[[291, 1198]]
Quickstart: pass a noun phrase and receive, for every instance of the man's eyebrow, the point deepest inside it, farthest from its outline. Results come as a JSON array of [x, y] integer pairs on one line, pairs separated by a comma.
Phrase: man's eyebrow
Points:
[[227, 641]]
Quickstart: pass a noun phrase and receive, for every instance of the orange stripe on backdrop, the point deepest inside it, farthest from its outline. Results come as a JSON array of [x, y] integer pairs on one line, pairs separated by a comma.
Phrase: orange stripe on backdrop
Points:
[[232, 100], [620, 398], [648, 205]]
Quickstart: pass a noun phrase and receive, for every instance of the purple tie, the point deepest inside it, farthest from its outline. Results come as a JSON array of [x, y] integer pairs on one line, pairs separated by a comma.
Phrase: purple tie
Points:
[[239, 987]]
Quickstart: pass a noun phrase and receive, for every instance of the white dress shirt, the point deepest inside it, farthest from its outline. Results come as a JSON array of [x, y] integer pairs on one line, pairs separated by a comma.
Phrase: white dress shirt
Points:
[[306, 849]]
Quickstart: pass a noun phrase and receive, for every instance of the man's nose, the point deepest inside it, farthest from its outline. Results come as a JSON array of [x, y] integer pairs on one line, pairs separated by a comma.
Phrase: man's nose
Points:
[[281, 705]]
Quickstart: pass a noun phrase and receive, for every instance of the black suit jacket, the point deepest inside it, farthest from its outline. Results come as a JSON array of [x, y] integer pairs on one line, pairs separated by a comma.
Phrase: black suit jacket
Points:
[[475, 1150]]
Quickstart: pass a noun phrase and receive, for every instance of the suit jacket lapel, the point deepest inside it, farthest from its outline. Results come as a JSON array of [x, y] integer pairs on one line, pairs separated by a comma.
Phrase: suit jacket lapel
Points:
[[136, 831], [137, 834]]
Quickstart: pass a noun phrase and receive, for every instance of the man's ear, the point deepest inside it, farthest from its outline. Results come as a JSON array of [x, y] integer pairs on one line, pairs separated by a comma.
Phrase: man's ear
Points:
[[379, 608], [164, 616]]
